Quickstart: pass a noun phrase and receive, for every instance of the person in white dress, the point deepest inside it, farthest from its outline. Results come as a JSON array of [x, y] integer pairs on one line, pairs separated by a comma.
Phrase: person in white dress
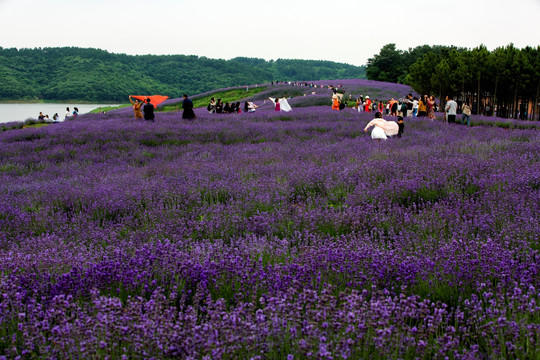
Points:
[[382, 128]]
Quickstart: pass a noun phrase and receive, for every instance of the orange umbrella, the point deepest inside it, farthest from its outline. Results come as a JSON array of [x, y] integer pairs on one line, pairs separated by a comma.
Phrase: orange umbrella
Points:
[[154, 99]]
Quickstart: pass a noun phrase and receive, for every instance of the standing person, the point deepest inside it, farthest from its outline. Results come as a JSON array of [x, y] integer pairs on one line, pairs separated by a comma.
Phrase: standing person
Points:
[[401, 126], [422, 106], [431, 108], [367, 104], [75, 112], [409, 105], [278, 106], [335, 103], [219, 106], [55, 117], [137, 108], [393, 107], [148, 110], [212, 106], [450, 110], [402, 110], [187, 105], [415, 107], [68, 114], [246, 107], [466, 113], [381, 127]]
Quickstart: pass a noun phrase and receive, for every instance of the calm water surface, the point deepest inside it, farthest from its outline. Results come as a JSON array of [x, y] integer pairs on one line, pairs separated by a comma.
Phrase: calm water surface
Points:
[[22, 112]]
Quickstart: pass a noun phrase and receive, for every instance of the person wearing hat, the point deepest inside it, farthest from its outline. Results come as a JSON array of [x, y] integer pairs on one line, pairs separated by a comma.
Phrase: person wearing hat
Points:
[[367, 104]]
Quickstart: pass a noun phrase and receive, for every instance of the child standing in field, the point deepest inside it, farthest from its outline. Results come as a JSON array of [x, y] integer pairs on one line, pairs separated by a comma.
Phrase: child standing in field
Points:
[[401, 126]]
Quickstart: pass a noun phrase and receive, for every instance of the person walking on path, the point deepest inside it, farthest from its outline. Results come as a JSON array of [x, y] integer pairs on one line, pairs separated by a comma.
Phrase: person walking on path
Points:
[[187, 105], [137, 108], [148, 110]]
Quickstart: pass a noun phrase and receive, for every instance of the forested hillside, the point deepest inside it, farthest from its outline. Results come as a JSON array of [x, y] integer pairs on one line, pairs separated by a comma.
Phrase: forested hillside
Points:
[[97, 75]]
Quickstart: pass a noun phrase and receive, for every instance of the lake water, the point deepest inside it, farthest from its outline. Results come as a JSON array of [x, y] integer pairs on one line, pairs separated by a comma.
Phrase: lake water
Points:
[[21, 112]]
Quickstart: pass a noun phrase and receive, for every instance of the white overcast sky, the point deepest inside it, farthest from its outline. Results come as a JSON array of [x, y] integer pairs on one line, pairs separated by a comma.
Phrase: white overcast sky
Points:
[[343, 31]]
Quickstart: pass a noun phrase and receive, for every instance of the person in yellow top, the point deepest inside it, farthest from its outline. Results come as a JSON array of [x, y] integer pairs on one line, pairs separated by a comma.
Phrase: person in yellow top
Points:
[[137, 108], [422, 106]]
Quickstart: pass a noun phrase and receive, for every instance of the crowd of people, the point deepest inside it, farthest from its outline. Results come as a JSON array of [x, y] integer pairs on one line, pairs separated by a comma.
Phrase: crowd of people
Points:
[[407, 107], [56, 118], [46, 118], [217, 107]]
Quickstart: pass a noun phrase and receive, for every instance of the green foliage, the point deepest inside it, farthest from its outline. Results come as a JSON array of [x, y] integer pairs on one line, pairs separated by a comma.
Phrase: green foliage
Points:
[[506, 76], [387, 66], [95, 75]]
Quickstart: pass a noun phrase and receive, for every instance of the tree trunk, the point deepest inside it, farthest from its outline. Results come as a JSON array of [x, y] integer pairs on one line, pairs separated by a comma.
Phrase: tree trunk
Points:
[[536, 99], [478, 107], [495, 93], [515, 102]]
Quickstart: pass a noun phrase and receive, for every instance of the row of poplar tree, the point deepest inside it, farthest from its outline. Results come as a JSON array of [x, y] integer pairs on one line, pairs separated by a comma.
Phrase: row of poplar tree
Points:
[[503, 82]]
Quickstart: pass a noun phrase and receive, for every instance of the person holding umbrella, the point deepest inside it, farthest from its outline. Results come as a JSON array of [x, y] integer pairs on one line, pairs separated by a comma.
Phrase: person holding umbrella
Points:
[[382, 128]]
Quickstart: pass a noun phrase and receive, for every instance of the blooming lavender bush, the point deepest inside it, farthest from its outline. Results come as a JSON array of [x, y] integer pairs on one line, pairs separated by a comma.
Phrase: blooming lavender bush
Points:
[[268, 236]]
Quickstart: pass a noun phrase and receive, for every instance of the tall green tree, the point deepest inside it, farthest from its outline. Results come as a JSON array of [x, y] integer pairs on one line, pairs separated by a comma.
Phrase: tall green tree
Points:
[[387, 65]]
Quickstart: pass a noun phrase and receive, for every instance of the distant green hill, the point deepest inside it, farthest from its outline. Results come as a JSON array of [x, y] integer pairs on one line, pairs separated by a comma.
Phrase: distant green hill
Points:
[[71, 73]]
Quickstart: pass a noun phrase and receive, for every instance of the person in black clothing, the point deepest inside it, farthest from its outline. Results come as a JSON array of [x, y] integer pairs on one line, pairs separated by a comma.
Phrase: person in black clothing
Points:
[[401, 126], [394, 109], [227, 108], [246, 107], [219, 106], [148, 110], [187, 105]]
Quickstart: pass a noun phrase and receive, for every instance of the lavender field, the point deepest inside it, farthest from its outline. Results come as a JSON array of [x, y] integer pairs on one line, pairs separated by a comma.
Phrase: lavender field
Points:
[[268, 236]]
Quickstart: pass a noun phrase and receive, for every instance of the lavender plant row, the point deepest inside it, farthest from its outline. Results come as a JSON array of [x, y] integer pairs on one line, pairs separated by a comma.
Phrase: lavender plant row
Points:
[[268, 236]]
